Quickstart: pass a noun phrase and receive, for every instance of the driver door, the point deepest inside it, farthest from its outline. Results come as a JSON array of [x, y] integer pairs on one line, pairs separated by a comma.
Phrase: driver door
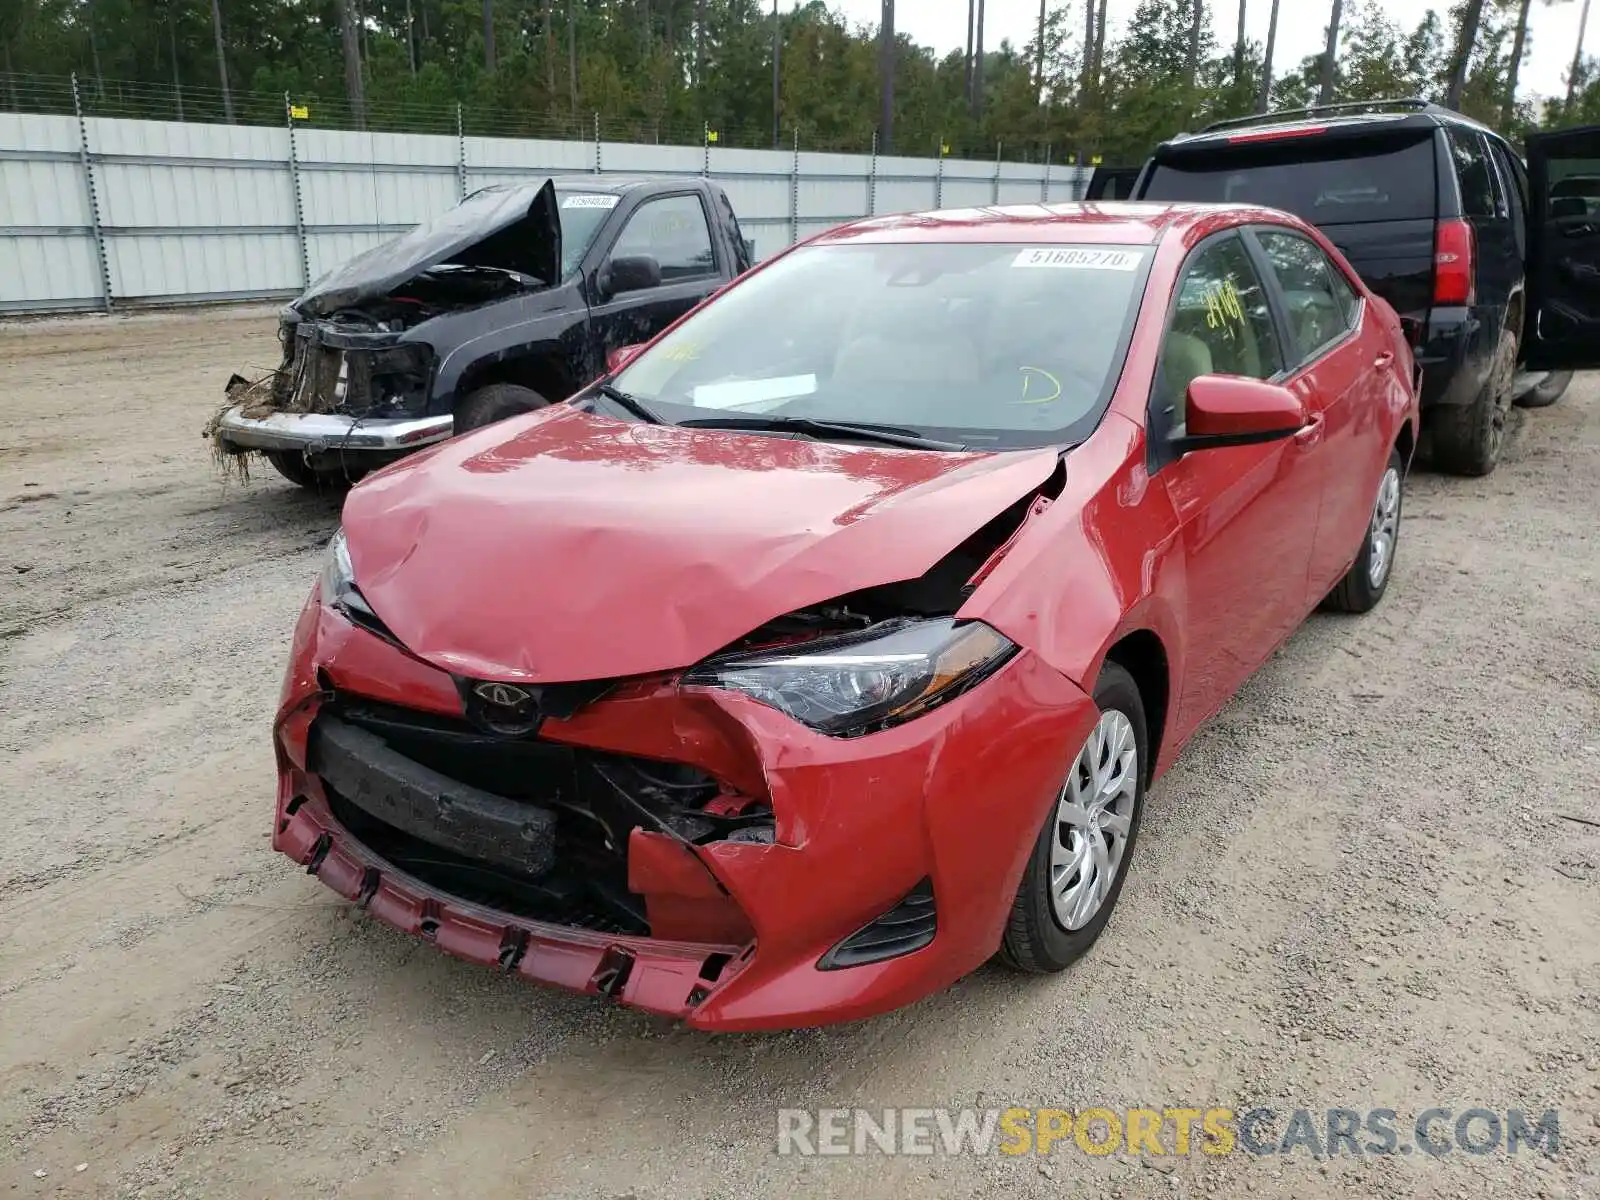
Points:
[[1562, 329]]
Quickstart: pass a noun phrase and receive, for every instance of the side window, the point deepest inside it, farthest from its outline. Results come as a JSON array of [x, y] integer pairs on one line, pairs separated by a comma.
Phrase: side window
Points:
[[1517, 193], [1221, 325], [673, 231], [1472, 172], [1320, 302]]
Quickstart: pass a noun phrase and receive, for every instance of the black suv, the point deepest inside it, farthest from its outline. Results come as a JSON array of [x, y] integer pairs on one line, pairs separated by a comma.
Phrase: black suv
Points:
[[1492, 263]]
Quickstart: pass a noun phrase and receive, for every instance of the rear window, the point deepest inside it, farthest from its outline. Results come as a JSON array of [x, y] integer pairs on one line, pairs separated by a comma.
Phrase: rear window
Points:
[[1361, 184]]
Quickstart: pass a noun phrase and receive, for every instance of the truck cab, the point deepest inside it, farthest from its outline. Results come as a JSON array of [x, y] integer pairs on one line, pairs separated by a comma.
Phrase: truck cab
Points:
[[512, 300]]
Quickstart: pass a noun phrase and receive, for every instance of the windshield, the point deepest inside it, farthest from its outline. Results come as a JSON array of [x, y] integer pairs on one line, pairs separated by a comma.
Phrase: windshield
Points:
[[582, 214], [991, 346]]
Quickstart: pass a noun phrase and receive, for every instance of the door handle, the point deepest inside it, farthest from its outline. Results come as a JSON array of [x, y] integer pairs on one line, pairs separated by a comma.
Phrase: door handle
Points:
[[1310, 433], [1384, 359]]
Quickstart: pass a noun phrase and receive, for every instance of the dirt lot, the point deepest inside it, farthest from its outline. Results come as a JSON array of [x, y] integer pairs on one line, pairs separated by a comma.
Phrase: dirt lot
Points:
[[1361, 887]]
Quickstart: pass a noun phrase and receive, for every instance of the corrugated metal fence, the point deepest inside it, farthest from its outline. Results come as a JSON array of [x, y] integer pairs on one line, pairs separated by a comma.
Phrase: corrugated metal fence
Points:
[[97, 213]]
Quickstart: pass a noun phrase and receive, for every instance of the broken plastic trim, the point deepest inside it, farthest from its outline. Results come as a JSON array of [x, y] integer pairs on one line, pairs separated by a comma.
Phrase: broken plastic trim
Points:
[[908, 926]]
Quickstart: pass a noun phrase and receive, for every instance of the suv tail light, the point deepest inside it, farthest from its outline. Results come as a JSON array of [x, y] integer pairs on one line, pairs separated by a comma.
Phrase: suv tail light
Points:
[[1454, 265]]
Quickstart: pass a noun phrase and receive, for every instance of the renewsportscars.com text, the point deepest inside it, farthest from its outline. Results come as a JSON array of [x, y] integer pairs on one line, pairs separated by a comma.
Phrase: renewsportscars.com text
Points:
[[1173, 1132]]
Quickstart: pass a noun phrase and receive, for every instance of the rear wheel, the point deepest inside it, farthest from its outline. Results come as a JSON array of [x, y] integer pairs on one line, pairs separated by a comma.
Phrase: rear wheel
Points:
[[1080, 858], [1368, 578], [292, 465], [494, 403], [1548, 392], [1467, 439]]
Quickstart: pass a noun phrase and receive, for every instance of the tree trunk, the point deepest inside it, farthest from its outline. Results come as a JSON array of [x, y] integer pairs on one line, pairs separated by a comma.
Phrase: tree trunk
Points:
[[1330, 54], [972, 18], [94, 55], [1462, 57], [777, 89], [222, 60], [549, 54], [1088, 48], [352, 62], [1508, 109], [1038, 55], [977, 66], [886, 81], [1099, 43], [177, 83], [1577, 56], [411, 40], [1238, 51], [488, 36], [1264, 100], [572, 57], [699, 41], [1195, 22]]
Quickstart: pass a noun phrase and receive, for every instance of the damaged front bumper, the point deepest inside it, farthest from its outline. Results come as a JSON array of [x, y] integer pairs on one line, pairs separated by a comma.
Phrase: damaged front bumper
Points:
[[887, 872], [327, 433]]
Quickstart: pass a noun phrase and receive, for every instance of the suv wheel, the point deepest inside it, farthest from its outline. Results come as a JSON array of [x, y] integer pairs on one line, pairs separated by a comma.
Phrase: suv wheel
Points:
[[1550, 389], [1467, 440]]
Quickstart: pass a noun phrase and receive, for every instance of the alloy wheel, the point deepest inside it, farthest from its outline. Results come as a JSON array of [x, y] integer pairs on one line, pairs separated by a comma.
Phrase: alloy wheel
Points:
[[1094, 813], [1385, 528]]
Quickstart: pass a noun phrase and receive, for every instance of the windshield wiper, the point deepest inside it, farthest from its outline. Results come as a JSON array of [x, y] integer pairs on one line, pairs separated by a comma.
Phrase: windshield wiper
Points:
[[888, 435], [633, 404]]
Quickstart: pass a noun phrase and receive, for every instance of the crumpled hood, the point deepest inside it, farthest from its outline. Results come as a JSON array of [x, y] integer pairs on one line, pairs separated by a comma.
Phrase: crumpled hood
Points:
[[488, 211], [565, 545]]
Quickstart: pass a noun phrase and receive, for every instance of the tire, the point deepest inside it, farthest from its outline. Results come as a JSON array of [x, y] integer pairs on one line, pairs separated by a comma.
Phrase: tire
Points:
[[1547, 393], [292, 465], [1368, 577], [1036, 938], [494, 403], [1467, 440]]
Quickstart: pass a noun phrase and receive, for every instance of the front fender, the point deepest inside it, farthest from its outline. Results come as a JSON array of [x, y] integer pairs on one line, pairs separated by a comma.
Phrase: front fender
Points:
[[1094, 566], [532, 327]]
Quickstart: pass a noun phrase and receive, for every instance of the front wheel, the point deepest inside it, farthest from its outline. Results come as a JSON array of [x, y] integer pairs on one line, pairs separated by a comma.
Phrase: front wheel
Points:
[[1368, 577], [494, 403], [1080, 858], [292, 465]]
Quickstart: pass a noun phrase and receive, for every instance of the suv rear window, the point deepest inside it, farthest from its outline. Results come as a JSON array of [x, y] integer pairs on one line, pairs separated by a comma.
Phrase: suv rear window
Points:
[[1332, 185]]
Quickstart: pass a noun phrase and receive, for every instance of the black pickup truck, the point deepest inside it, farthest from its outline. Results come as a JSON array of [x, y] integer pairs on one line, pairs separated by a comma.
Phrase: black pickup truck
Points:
[[511, 300], [1493, 261]]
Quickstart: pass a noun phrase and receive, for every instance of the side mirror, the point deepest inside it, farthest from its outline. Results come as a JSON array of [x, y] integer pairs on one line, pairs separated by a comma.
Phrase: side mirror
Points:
[[629, 273], [1225, 410], [622, 356]]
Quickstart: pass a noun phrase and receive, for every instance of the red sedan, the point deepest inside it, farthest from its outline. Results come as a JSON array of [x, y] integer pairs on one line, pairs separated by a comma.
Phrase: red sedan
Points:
[[828, 646]]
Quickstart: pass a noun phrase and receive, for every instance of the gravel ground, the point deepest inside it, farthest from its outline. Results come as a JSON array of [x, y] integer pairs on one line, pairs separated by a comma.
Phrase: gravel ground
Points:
[[1362, 886]]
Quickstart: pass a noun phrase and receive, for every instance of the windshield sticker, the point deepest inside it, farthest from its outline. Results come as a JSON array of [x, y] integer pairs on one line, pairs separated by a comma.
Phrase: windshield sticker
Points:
[[596, 200], [1223, 309], [741, 392], [1066, 259]]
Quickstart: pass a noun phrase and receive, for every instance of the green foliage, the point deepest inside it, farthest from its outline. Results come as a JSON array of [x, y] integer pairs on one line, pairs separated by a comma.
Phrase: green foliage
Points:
[[666, 69]]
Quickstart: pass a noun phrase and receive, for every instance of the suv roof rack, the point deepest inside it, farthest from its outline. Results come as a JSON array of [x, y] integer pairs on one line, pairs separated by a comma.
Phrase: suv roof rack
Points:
[[1406, 104]]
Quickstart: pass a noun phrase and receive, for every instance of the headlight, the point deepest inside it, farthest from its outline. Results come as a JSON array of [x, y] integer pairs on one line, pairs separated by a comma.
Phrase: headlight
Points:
[[338, 584], [857, 683]]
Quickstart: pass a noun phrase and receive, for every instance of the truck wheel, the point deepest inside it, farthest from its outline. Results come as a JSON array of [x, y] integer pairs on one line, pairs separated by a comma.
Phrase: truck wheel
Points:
[[292, 465], [1547, 393], [494, 403], [1467, 439]]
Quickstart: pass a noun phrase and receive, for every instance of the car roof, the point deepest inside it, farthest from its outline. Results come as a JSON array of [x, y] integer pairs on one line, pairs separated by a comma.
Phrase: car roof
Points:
[[1121, 222], [619, 184]]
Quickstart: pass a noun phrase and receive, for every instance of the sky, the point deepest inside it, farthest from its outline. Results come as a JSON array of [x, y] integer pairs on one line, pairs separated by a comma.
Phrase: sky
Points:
[[1302, 27]]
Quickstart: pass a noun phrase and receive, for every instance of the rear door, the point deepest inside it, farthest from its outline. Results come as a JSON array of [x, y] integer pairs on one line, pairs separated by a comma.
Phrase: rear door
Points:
[[1562, 331], [1372, 188], [1337, 368]]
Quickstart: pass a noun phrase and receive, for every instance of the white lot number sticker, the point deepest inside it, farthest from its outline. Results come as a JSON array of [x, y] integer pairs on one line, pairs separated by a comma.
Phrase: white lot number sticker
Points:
[[595, 201], [1067, 259]]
